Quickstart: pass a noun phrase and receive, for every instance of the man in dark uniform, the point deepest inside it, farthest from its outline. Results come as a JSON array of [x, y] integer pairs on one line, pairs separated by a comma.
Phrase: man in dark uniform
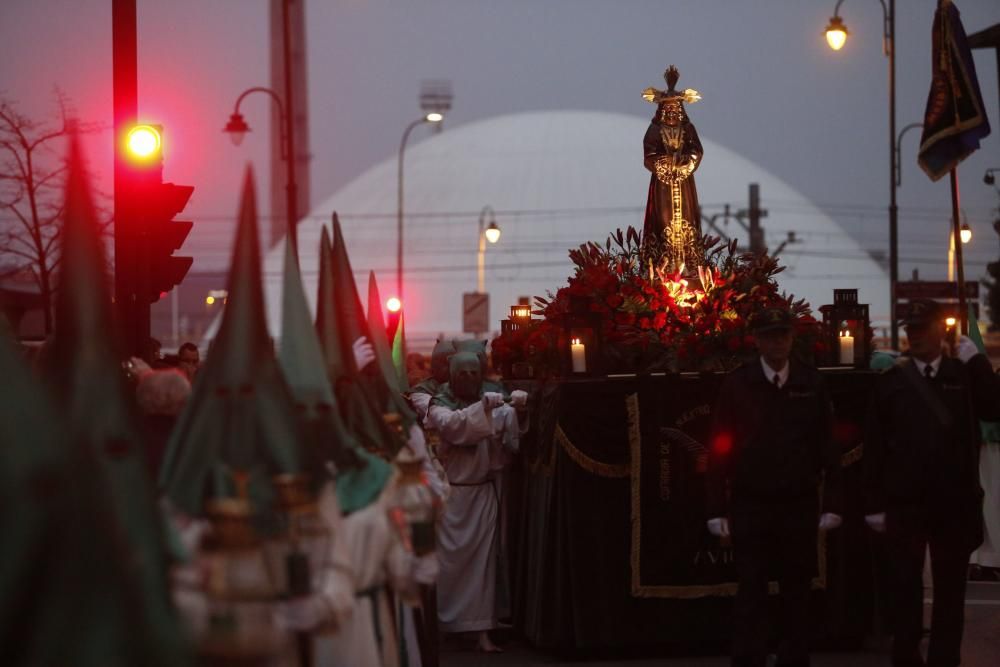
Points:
[[770, 451], [921, 465]]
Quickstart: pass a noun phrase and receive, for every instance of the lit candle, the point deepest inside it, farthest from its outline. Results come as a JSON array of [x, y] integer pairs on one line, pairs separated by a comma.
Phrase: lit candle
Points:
[[579, 353], [846, 348]]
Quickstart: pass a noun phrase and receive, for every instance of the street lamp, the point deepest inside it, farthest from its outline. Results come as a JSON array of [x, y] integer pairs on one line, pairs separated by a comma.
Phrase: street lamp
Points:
[[899, 151], [836, 36], [435, 100], [237, 129], [966, 234], [491, 234]]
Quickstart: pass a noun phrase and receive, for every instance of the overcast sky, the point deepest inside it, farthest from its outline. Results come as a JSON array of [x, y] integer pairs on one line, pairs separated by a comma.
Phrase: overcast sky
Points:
[[773, 91]]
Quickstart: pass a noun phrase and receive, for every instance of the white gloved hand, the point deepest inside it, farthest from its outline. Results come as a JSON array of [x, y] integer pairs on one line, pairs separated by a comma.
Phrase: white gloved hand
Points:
[[966, 349], [518, 399], [719, 526], [829, 521], [876, 522], [364, 353], [492, 399], [302, 614]]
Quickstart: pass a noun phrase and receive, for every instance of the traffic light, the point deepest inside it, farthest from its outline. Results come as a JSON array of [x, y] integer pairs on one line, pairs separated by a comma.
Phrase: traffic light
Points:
[[154, 232], [164, 235]]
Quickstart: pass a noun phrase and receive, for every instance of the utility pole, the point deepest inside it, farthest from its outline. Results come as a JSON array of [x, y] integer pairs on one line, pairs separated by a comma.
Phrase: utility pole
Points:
[[132, 311], [754, 214]]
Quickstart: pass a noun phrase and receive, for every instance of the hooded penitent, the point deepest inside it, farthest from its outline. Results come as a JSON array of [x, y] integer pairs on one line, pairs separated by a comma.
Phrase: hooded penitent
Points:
[[239, 428], [363, 394], [360, 476], [465, 382], [383, 357], [442, 352], [478, 348], [109, 492]]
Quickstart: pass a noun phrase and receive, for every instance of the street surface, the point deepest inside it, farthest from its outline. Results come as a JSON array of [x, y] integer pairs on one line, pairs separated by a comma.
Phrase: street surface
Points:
[[981, 647]]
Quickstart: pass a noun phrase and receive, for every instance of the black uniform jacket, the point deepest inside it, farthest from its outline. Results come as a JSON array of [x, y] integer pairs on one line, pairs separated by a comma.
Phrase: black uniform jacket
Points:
[[922, 437], [772, 445]]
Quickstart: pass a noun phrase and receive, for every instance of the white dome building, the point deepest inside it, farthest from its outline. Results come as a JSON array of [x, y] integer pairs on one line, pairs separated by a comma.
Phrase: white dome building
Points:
[[555, 179]]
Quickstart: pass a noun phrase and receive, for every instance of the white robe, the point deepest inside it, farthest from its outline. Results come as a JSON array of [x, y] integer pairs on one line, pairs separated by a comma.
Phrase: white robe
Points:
[[988, 553], [475, 444], [380, 562], [332, 580]]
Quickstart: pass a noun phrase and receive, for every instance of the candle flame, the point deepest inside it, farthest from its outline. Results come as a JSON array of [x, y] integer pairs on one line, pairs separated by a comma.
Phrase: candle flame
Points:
[[575, 341], [845, 333]]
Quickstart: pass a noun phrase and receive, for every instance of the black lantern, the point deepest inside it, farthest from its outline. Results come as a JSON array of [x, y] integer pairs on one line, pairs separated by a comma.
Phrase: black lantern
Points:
[[581, 340], [845, 327], [520, 317]]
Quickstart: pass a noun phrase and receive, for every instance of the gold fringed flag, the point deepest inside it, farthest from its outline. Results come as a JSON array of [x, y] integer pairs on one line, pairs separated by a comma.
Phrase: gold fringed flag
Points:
[[955, 118]]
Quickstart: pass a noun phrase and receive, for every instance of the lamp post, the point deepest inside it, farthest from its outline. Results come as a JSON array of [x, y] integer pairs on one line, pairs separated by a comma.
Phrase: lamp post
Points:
[[237, 129], [966, 234], [491, 234], [836, 36], [432, 117]]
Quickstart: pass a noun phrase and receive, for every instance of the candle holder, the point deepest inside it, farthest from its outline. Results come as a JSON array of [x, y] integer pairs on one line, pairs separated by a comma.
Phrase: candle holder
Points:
[[845, 327], [581, 342]]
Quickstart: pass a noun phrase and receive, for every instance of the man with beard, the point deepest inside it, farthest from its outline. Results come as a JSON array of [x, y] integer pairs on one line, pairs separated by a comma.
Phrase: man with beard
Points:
[[475, 428]]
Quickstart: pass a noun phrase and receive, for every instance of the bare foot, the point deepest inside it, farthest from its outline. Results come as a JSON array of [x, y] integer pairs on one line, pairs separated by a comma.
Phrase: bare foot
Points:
[[485, 645]]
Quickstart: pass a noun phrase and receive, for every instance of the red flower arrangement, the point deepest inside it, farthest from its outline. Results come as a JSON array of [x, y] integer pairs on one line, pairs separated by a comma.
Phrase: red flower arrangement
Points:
[[656, 318]]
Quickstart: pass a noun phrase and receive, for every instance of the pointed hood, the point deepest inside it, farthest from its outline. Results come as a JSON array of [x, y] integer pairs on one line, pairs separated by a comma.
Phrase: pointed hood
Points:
[[300, 353], [86, 379], [350, 315], [383, 355], [361, 476], [326, 314], [399, 355], [63, 558], [340, 321], [240, 419]]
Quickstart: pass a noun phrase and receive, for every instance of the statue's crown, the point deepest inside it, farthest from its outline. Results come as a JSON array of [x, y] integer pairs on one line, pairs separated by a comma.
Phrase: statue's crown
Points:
[[671, 95]]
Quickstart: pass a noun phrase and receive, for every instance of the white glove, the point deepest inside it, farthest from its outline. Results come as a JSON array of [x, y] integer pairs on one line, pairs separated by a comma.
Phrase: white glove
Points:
[[492, 399], [876, 522], [829, 521], [719, 526], [302, 614], [966, 349], [518, 399], [364, 353]]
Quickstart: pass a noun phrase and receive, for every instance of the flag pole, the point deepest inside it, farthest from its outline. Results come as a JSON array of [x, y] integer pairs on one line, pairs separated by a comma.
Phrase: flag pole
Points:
[[963, 311]]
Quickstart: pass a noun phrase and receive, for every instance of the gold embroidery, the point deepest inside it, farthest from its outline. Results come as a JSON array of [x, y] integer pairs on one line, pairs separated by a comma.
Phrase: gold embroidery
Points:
[[641, 590], [589, 464]]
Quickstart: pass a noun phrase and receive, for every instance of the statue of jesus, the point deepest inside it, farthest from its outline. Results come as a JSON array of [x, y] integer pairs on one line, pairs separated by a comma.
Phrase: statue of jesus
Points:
[[672, 153]]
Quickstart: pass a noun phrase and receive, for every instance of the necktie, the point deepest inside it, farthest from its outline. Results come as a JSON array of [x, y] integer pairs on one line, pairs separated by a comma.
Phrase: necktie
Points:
[[929, 372], [777, 380]]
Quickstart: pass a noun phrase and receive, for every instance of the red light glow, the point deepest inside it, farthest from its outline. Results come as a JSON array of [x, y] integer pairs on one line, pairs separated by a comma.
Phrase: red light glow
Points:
[[722, 443]]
